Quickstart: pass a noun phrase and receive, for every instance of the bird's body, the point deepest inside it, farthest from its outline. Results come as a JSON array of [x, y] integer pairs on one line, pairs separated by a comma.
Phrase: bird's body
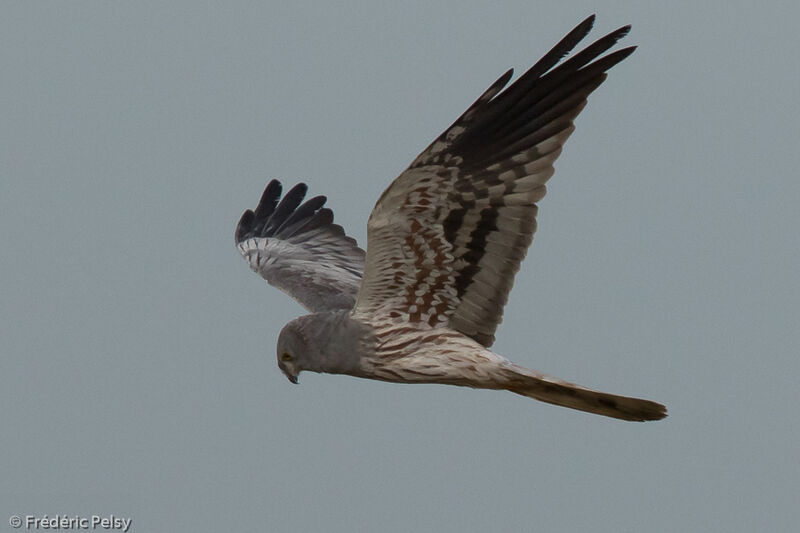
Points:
[[334, 342], [445, 241]]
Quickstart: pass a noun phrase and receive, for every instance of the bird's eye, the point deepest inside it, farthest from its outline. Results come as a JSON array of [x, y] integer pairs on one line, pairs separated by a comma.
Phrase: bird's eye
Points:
[[286, 356]]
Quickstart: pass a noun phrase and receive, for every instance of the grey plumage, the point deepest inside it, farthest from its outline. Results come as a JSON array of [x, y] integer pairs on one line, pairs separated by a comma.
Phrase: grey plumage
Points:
[[328, 342], [445, 241]]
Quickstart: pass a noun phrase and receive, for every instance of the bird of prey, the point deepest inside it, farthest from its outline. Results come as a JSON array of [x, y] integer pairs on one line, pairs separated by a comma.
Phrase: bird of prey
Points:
[[444, 243]]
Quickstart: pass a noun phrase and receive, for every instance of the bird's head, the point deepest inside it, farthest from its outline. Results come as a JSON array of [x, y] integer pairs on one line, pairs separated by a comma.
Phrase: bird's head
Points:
[[293, 348], [322, 342]]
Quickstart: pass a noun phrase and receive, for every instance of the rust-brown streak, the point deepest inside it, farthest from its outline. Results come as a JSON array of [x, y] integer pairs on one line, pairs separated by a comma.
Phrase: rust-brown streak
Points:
[[426, 297]]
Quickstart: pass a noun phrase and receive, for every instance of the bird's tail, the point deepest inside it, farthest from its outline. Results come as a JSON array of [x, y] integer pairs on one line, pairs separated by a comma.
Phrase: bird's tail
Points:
[[552, 390]]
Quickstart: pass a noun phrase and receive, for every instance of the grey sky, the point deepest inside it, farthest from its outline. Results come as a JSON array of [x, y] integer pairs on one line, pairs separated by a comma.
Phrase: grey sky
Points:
[[137, 365]]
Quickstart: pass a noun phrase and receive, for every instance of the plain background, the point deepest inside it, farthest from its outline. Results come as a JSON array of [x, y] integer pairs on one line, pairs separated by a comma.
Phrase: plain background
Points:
[[138, 371]]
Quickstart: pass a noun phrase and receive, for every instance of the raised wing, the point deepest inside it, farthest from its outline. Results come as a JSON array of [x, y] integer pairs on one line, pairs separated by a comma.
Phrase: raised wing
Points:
[[447, 237], [298, 249]]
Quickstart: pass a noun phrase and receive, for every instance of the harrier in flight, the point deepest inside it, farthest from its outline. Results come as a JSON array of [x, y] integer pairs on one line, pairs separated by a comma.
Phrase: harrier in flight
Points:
[[444, 242]]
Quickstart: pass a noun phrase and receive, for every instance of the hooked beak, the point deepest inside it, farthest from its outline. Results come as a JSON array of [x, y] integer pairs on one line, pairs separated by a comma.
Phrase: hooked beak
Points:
[[289, 372]]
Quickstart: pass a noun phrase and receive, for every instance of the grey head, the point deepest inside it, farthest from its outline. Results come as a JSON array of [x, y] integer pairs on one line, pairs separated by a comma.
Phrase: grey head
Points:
[[328, 342]]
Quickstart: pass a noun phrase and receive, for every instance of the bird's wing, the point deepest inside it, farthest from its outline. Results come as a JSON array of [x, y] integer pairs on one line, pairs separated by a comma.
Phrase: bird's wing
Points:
[[298, 249], [447, 237]]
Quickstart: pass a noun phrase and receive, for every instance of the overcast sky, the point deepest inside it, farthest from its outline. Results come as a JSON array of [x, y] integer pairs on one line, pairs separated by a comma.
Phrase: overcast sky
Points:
[[137, 350]]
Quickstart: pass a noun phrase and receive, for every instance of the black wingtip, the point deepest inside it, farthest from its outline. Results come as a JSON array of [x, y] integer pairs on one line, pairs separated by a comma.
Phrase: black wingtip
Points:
[[298, 190], [623, 31], [272, 191], [268, 201], [606, 62], [587, 24], [561, 49], [273, 183], [614, 37], [285, 208], [283, 217], [580, 31], [244, 226], [302, 213]]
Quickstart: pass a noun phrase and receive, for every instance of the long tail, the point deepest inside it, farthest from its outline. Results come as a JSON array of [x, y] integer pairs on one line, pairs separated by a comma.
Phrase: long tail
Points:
[[552, 390]]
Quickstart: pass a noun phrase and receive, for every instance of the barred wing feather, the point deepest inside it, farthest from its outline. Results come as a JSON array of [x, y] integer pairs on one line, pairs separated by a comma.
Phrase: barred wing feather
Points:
[[447, 237], [298, 249]]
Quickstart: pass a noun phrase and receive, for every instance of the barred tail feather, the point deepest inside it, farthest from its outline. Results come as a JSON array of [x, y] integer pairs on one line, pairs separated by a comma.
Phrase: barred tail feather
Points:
[[551, 390]]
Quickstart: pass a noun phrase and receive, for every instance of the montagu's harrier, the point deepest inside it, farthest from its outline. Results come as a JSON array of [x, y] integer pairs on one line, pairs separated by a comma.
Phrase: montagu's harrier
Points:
[[444, 243]]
